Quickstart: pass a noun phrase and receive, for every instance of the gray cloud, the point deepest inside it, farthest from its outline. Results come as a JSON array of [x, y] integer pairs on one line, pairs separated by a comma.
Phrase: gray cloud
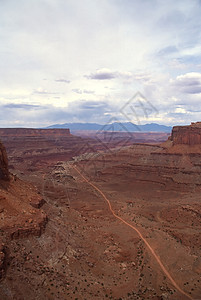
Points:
[[102, 74], [88, 92], [168, 50], [44, 92], [191, 89], [62, 80], [78, 111], [79, 91], [21, 106], [94, 105], [189, 83], [107, 74]]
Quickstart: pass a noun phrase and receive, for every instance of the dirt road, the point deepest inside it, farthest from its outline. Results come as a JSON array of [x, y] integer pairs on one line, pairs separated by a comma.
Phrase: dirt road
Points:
[[163, 268]]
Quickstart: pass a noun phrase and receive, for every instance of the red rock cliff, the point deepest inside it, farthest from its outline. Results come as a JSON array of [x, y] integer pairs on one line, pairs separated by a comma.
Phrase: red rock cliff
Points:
[[4, 173], [187, 135], [33, 132]]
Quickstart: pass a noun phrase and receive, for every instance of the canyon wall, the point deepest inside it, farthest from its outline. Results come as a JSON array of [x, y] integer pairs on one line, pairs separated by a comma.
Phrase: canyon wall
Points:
[[36, 148], [187, 135], [20, 213], [6, 132], [149, 165], [4, 174]]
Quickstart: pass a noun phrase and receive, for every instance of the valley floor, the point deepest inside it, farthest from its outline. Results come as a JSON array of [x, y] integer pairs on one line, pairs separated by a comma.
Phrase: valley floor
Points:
[[87, 253]]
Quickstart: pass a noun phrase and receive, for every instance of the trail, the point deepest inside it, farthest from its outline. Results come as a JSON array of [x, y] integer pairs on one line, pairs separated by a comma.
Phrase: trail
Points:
[[165, 271]]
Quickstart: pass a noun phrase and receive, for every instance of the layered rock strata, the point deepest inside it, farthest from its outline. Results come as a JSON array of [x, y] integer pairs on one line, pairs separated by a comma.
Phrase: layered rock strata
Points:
[[187, 135], [4, 174]]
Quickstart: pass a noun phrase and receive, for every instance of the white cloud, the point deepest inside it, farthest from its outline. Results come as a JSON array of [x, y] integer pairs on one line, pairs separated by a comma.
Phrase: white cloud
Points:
[[180, 110], [150, 46]]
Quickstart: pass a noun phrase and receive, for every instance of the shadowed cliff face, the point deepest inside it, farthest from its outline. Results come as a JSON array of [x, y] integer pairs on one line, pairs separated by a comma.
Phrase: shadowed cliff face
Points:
[[4, 173]]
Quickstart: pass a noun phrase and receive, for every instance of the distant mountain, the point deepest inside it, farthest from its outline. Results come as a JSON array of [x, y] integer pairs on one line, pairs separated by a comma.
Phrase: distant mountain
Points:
[[116, 126]]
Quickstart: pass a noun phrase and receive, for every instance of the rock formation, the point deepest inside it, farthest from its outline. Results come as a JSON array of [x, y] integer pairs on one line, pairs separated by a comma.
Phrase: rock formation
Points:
[[2, 260], [187, 135], [33, 132], [4, 174], [34, 149], [20, 213]]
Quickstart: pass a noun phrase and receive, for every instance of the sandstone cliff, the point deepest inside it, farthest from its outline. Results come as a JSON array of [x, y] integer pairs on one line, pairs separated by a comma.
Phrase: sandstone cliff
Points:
[[4, 174], [2, 260], [20, 213], [33, 132], [187, 135]]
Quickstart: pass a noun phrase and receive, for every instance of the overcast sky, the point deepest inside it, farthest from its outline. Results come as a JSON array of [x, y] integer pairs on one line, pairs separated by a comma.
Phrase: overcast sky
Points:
[[85, 60]]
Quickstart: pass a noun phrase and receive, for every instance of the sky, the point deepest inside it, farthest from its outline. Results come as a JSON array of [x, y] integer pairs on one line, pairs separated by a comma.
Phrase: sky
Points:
[[99, 61]]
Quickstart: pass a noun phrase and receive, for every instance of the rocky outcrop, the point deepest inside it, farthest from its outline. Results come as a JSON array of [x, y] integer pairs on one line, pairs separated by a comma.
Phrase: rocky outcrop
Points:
[[187, 135], [2, 260], [34, 226], [34, 132], [4, 173], [20, 213]]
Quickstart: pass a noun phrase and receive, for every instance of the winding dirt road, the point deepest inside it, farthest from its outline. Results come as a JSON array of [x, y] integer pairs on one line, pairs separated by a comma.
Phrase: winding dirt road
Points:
[[138, 232]]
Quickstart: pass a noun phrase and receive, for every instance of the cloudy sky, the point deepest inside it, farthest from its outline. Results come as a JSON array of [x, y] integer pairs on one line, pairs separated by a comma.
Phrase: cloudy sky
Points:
[[99, 60]]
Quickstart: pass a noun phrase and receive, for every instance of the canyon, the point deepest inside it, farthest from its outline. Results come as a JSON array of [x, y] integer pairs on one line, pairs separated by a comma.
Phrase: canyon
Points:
[[59, 239]]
